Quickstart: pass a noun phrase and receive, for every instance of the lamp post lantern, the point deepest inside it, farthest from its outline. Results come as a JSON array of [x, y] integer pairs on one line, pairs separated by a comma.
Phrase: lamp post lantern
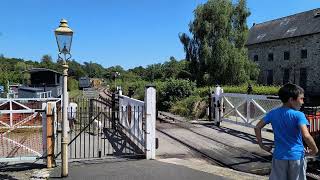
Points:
[[64, 39]]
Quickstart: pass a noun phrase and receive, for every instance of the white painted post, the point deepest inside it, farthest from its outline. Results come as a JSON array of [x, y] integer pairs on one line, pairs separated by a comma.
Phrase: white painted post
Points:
[[150, 110], [11, 116], [221, 104], [120, 92], [218, 101], [248, 108]]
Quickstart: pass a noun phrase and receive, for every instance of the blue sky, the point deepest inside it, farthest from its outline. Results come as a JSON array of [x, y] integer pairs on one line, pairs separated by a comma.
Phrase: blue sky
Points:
[[129, 33]]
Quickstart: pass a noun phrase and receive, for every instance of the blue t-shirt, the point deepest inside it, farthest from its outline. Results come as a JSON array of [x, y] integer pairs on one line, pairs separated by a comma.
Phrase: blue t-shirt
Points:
[[286, 124]]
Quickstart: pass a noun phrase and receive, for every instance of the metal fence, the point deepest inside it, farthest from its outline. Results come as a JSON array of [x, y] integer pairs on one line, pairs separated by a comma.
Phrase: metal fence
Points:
[[95, 131]]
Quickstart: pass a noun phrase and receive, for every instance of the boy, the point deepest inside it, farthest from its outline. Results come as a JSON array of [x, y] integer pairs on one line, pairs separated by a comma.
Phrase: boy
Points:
[[290, 127]]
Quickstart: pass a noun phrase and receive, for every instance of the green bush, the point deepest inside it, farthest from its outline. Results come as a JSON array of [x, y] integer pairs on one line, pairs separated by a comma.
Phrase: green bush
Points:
[[192, 107], [173, 90], [257, 89], [202, 91], [72, 84]]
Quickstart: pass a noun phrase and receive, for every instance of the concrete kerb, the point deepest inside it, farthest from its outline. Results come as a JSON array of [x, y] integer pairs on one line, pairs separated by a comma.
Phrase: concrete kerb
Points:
[[41, 174]]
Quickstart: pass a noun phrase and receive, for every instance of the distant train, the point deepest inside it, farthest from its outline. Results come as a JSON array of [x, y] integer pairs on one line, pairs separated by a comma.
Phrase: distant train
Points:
[[86, 82]]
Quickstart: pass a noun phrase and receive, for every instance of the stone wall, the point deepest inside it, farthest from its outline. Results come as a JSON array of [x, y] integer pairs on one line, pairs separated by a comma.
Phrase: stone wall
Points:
[[294, 45]]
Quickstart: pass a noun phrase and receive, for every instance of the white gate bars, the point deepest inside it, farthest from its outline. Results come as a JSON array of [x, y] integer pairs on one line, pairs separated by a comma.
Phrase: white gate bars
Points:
[[131, 116], [243, 109], [138, 118]]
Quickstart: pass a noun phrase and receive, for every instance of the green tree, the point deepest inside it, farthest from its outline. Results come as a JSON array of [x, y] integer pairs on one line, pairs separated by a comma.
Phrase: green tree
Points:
[[175, 69], [216, 51], [94, 69], [46, 62], [109, 72], [155, 71], [75, 69], [22, 69], [140, 71]]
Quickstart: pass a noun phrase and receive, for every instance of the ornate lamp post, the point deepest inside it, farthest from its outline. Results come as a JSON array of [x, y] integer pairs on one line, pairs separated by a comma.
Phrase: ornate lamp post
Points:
[[64, 39]]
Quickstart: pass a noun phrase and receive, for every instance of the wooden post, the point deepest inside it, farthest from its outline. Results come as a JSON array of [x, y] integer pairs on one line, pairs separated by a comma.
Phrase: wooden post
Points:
[[50, 142], [150, 110]]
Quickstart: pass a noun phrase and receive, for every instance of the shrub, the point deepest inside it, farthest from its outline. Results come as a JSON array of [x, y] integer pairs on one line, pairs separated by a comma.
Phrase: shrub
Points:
[[257, 89], [72, 84], [173, 90], [192, 107]]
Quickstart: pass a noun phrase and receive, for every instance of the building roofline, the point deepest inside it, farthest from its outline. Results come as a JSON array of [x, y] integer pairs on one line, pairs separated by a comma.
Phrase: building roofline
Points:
[[41, 70], [281, 39], [269, 21]]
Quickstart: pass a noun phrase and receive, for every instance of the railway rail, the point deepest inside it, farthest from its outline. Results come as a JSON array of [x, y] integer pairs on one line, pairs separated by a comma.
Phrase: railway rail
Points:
[[313, 167]]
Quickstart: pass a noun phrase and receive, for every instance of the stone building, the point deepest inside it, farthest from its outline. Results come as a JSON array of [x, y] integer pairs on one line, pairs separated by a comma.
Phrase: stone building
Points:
[[288, 50]]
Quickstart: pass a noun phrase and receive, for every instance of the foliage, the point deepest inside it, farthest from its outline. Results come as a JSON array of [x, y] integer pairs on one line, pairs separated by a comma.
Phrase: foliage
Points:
[[137, 85], [202, 91], [173, 90], [73, 94], [76, 70], [169, 69], [94, 69], [257, 89], [192, 107], [216, 51], [72, 84]]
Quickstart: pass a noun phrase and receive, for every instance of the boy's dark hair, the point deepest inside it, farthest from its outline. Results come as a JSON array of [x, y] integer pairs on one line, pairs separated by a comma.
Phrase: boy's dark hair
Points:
[[289, 90]]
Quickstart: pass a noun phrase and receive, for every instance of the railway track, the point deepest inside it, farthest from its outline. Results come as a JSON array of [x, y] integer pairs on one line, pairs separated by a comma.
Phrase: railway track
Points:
[[311, 174], [265, 159]]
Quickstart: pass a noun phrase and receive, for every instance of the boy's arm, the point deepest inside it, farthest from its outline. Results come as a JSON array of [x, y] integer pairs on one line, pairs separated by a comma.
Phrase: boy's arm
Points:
[[309, 140], [257, 131]]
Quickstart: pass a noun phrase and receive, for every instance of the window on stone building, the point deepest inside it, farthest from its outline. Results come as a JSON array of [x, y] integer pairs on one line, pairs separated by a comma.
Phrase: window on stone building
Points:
[[255, 58], [286, 55], [286, 76], [269, 77], [270, 57], [303, 78], [304, 53]]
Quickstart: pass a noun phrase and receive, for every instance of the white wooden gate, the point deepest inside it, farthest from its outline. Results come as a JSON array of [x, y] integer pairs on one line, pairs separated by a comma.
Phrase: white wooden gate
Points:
[[138, 119], [243, 109], [22, 135]]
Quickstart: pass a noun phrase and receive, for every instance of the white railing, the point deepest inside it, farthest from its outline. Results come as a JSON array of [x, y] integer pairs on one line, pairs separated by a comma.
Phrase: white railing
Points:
[[47, 94], [243, 109], [131, 117], [138, 118]]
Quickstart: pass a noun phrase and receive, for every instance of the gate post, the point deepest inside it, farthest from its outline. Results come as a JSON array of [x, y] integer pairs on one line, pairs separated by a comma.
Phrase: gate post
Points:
[[90, 110], [113, 111], [218, 104], [210, 106], [50, 142], [150, 110]]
